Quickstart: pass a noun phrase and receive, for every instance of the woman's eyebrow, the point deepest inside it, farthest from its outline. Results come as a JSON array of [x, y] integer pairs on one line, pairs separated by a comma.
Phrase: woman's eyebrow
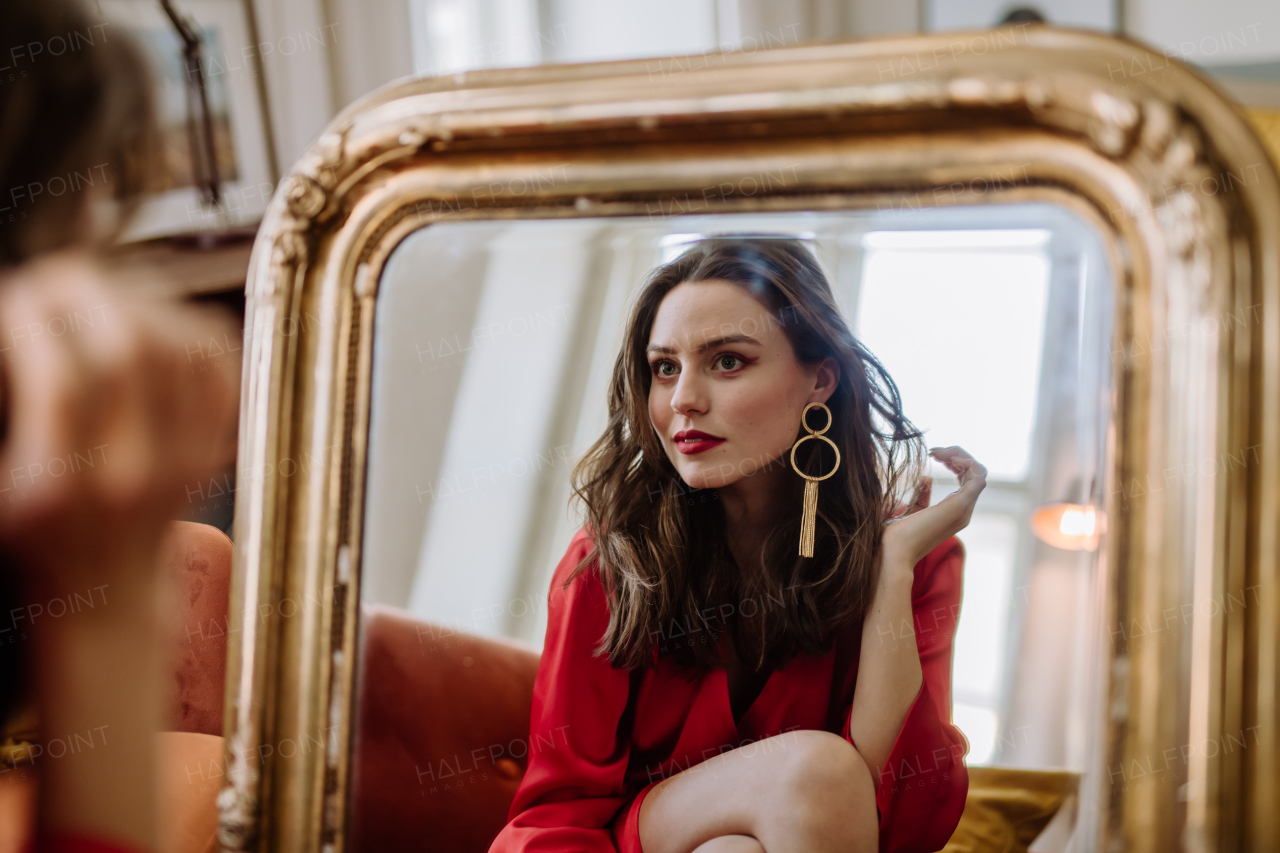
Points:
[[728, 339], [715, 342]]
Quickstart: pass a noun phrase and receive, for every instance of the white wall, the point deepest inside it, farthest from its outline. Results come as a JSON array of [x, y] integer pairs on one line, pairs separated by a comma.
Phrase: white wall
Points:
[[319, 55], [624, 29], [299, 90], [354, 46], [375, 47], [1225, 32], [979, 14], [458, 35]]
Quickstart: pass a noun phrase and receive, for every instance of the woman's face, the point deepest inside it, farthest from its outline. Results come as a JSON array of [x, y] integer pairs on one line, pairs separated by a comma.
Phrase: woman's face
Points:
[[727, 390]]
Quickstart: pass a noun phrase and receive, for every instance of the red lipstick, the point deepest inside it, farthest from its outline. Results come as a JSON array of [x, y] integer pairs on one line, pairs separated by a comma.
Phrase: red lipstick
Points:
[[695, 441]]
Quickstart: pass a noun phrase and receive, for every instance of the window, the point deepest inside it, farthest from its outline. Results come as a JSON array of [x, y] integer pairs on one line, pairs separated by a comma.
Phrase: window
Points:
[[958, 320]]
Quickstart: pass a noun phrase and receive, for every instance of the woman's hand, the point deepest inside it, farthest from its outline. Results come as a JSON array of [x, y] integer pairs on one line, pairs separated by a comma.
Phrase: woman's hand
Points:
[[910, 537], [111, 416]]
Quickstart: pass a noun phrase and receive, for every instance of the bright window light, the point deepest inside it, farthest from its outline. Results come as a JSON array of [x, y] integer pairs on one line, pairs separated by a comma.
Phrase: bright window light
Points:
[[979, 726], [679, 239], [961, 331], [973, 239], [989, 544], [958, 319], [673, 245]]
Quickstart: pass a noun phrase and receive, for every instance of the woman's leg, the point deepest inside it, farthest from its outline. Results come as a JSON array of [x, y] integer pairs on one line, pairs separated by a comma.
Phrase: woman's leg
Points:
[[800, 792]]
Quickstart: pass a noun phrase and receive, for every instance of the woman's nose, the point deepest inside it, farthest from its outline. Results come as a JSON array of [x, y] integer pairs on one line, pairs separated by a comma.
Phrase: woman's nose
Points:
[[690, 395]]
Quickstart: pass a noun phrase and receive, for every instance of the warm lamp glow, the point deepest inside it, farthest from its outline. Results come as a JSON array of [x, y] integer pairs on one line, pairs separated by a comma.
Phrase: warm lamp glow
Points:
[[1076, 523], [1072, 527]]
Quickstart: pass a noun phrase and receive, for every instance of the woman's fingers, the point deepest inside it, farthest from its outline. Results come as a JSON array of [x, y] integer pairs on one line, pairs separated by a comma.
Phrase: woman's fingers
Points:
[[970, 472], [188, 405], [48, 393], [924, 527], [959, 462], [973, 479], [923, 494], [109, 418]]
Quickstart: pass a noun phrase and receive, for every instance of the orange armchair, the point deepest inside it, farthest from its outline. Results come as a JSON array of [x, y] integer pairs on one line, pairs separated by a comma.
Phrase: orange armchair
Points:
[[199, 558], [441, 740], [443, 720]]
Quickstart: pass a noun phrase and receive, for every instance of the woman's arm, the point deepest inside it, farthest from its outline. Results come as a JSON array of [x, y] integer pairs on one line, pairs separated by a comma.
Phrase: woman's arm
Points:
[[100, 677], [889, 673], [106, 424], [922, 783]]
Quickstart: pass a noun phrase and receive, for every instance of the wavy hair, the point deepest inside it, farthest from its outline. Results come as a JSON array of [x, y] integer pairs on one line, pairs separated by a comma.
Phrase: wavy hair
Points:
[[69, 114], [660, 546]]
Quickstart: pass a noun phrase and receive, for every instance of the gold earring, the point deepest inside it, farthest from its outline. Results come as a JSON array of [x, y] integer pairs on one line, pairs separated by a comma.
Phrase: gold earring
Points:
[[809, 518]]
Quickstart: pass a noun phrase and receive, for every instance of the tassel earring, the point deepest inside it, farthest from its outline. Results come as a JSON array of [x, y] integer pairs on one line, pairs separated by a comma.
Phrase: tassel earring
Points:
[[809, 518]]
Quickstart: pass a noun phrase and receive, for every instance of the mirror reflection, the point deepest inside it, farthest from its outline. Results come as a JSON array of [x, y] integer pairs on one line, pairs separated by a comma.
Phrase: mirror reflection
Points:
[[497, 349]]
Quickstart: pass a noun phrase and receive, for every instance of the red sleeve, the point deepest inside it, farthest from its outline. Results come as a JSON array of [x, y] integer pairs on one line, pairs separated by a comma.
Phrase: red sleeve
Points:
[[924, 782], [577, 752]]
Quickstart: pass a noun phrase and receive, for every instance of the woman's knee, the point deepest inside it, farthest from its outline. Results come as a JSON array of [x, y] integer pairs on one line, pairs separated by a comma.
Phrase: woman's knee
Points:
[[820, 767], [730, 844]]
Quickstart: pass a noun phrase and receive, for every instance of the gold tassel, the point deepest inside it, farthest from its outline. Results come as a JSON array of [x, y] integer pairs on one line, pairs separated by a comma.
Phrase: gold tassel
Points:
[[809, 518]]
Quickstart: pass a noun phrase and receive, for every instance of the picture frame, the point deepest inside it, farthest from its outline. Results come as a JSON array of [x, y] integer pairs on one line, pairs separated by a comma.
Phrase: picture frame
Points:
[[241, 135]]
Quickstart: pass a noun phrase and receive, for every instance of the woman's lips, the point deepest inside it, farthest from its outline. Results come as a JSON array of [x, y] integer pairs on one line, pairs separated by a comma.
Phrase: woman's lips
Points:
[[696, 441]]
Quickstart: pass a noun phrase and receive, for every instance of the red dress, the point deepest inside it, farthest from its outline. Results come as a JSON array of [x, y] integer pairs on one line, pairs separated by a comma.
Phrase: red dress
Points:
[[600, 736]]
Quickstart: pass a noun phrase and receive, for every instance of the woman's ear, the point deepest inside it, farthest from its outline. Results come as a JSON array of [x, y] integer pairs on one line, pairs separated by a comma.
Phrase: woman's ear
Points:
[[826, 379]]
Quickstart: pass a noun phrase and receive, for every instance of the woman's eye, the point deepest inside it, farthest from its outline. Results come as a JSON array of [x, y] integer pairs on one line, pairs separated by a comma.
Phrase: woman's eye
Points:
[[664, 368], [729, 362]]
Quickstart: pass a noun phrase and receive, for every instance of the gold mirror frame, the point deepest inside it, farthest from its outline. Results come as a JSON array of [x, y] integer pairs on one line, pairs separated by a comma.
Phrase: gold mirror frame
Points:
[[1025, 113]]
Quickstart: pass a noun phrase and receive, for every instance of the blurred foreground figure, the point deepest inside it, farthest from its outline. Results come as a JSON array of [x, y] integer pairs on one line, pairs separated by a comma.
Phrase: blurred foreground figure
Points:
[[104, 421]]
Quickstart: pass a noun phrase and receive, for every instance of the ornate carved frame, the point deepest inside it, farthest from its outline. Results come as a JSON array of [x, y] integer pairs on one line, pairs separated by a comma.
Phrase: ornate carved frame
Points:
[[1165, 167]]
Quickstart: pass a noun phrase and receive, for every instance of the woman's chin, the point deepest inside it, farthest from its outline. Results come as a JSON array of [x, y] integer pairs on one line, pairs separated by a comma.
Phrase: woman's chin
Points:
[[700, 483], [706, 476], [716, 473]]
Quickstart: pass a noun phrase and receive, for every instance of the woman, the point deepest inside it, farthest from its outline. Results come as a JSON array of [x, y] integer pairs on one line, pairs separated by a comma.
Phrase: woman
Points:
[[104, 422], [703, 686]]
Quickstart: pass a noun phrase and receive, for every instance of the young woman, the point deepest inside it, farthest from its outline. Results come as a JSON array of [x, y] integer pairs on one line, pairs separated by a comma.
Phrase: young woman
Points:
[[703, 685]]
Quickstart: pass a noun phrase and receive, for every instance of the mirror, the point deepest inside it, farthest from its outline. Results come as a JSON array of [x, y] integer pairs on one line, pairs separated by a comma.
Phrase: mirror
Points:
[[433, 309], [494, 346]]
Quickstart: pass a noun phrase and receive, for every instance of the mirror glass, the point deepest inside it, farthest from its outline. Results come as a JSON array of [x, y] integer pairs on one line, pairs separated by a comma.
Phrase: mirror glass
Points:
[[494, 346]]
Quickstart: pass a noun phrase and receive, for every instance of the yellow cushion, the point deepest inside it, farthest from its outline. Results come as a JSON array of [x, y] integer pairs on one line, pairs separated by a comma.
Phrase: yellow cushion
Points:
[[1008, 807]]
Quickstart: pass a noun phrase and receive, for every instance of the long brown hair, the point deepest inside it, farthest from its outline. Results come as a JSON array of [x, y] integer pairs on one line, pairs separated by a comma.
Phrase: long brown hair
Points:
[[78, 111], [660, 546]]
